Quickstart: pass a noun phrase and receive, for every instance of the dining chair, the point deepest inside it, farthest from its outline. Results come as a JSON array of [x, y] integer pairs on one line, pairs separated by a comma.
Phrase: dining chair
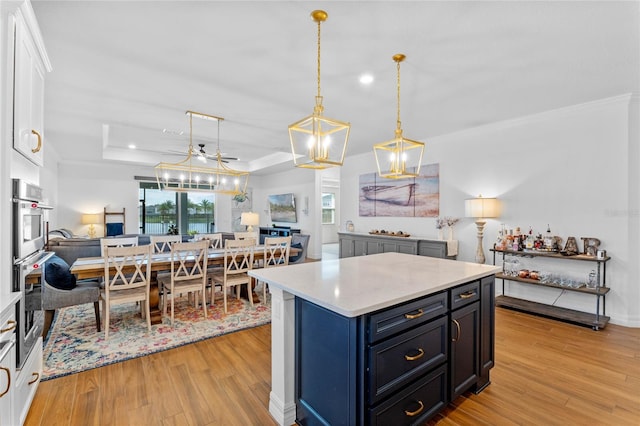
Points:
[[276, 253], [162, 243], [215, 240], [127, 279], [238, 261], [117, 242], [188, 274], [245, 236]]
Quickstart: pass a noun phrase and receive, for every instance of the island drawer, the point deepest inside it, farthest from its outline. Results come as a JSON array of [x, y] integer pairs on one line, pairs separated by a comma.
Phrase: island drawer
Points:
[[397, 319], [465, 294], [399, 360], [415, 404]]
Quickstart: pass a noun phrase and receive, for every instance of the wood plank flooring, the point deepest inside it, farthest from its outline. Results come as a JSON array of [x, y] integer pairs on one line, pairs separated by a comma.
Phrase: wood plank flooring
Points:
[[546, 372]]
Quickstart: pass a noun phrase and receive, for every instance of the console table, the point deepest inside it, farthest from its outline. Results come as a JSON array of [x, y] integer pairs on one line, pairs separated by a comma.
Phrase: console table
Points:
[[389, 338], [277, 231], [360, 244]]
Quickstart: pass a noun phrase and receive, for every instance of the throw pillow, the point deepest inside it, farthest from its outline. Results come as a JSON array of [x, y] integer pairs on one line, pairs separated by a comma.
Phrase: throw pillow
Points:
[[296, 257], [57, 274]]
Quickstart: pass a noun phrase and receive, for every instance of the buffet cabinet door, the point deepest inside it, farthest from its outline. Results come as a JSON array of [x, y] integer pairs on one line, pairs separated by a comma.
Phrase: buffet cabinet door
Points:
[[28, 95]]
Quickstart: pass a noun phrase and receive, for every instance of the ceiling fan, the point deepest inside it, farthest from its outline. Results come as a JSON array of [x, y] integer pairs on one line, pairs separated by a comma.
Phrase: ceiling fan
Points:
[[203, 155]]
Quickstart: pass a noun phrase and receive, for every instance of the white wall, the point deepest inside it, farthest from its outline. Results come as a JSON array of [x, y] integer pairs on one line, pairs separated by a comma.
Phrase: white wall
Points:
[[89, 188], [567, 168]]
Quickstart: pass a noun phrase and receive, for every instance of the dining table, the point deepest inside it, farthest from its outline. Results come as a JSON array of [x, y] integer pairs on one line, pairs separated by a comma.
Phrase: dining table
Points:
[[93, 267]]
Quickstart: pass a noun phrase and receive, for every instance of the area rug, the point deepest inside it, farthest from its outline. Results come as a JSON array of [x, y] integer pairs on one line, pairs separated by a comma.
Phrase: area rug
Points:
[[74, 345]]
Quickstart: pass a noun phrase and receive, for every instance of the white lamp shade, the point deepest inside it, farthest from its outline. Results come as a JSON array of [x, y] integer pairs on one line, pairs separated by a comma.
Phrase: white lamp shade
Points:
[[482, 207], [249, 219], [90, 219]]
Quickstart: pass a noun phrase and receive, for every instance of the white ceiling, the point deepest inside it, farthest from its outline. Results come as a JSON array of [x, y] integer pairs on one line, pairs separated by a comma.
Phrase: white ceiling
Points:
[[124, 71]]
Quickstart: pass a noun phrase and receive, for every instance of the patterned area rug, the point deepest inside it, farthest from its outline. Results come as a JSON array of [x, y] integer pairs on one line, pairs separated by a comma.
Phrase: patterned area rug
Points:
[[74, 345]]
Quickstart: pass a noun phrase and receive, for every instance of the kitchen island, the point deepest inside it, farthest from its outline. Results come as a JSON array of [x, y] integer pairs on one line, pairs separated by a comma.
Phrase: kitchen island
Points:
[[382, 339]]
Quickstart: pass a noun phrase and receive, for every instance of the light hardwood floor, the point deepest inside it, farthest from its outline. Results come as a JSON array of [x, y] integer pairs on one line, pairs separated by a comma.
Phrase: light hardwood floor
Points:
[[546, 373]]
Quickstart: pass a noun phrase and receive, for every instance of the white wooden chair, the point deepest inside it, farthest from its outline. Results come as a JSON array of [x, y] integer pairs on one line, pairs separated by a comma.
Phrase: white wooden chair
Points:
[[117, 242], [127, 278], [245, 236], [162, 243], [188, 274], [276, 253], [238, 260], [215, 240]]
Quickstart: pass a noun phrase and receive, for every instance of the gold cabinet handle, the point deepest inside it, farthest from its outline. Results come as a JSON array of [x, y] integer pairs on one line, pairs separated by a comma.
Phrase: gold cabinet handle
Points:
[[415, 413], [11, 324], [37, 377], [414, 357], [39, 147], [6, 391], [467, 294], [414, 316], [457, 331]]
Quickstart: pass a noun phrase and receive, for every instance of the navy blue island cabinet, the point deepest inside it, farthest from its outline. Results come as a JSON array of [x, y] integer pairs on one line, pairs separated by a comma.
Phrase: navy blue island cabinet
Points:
[[397, 366]]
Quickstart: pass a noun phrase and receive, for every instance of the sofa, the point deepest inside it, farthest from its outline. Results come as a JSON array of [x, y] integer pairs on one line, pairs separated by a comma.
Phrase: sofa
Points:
[[73, 247]]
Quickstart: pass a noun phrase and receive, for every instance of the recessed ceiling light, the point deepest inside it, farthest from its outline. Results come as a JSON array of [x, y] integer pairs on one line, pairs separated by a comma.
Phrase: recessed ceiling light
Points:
[[132, 146], [366, 79]]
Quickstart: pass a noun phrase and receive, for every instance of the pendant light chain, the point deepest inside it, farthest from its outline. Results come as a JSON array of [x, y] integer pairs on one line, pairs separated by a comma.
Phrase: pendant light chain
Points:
[[319, 58], [398, 87]]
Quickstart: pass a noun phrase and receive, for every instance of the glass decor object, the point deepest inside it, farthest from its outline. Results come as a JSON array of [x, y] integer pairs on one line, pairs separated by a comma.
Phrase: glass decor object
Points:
[[318, 142]]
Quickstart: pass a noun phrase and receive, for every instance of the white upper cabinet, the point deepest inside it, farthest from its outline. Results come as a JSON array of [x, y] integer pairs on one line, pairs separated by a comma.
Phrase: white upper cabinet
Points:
[[31, 64]]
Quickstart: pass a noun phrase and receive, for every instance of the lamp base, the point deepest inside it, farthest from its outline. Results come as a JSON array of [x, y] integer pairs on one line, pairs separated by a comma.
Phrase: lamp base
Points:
[[92, 231], [249, 228], [479, 251]]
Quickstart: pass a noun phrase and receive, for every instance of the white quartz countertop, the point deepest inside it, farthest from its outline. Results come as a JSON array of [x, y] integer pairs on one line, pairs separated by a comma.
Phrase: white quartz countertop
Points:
[[358, 285]]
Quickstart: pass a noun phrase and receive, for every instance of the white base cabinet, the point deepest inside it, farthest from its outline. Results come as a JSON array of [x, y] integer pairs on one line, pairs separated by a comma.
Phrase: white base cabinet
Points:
[[7, 360], [27, 382]]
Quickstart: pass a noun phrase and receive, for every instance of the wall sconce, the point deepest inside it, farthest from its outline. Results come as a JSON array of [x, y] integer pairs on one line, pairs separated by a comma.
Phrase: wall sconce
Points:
[[91, 220], [481, 208], [249, 219]]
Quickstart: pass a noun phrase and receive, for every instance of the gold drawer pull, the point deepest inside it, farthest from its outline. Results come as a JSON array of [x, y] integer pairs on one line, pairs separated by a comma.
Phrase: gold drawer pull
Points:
[[37, 377], [415, 413], [414, 316], [413, 358], [457, 331], [467, 295], [39, 147], [11, 324], [6, 391]]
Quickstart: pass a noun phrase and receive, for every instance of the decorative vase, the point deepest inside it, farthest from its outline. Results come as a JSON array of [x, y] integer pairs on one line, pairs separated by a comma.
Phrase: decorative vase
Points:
[[450, 233], [440, 234]]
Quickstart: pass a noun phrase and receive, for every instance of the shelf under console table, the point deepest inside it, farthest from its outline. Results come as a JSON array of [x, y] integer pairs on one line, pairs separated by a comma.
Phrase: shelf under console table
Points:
[[595, 320]]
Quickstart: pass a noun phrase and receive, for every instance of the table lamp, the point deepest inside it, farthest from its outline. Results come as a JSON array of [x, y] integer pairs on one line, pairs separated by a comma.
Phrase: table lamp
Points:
[[249, 219], [481, 208], [91, 220]]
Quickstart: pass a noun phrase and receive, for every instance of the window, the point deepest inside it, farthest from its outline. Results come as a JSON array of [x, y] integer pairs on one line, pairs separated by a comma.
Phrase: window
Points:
[[163, 212], [328, 208]]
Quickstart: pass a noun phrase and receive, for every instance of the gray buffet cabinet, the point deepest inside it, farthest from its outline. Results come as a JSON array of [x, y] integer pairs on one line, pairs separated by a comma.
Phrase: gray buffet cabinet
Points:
[[359, 244]]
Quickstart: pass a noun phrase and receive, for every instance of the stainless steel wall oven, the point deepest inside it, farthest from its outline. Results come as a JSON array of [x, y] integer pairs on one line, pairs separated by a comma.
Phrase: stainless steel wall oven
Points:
[[28, 257]]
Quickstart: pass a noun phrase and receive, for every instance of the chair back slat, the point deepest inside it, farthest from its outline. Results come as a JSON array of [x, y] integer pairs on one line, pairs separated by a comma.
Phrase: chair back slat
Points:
[[215, 240], [162, 243], [238, 257], [189, 260], [245, 236], [276, 251], [127, 267], [117, 242]]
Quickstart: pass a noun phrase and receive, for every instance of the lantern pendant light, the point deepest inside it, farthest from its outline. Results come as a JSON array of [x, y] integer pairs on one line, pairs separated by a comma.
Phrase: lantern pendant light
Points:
[[318, 142], [398, 157]]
